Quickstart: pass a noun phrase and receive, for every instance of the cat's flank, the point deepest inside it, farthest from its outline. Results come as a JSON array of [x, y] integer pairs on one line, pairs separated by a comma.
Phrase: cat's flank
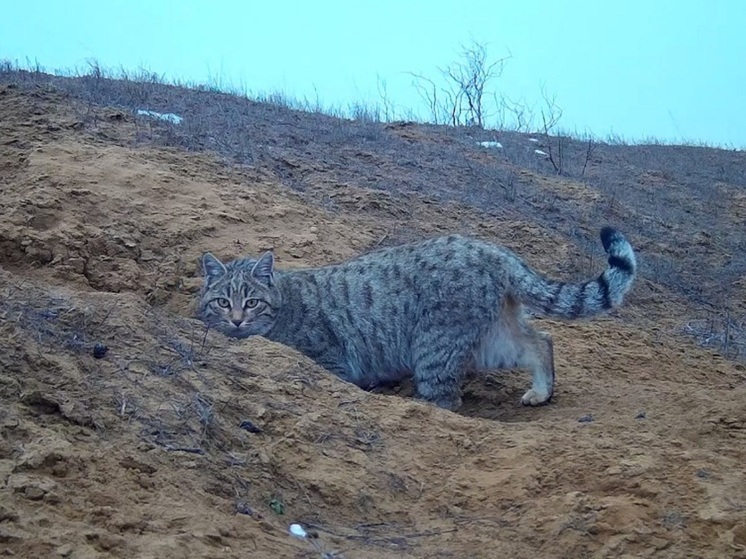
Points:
[[432, 310]]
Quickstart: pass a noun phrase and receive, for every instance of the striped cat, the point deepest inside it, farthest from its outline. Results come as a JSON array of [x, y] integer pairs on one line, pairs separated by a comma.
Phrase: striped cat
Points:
[[429, 310]]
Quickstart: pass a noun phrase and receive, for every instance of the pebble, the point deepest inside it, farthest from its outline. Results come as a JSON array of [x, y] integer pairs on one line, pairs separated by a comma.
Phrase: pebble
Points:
[[99, 350], [249, 426], [243, 507]]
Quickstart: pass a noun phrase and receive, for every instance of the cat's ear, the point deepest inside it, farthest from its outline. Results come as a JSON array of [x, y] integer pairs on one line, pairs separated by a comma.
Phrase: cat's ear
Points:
[[264, 268], [212, 267]]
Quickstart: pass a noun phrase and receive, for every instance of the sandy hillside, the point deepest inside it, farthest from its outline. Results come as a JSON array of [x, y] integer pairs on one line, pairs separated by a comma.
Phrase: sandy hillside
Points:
[[176, 444]]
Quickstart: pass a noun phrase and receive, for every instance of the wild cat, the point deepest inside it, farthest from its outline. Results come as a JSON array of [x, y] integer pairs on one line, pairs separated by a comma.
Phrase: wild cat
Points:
[[431, 310]]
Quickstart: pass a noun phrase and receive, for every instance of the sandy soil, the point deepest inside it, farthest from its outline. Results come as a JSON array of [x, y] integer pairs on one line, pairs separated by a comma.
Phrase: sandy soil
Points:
[[176, 444]]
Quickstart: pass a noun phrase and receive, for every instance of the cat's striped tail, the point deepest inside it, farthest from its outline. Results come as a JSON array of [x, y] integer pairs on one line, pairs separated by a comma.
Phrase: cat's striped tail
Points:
[[577, 300]]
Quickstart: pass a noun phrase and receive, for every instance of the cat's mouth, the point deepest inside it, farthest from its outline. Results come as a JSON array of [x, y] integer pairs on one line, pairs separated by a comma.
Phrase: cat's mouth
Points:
[[241, 330], [233, 331]]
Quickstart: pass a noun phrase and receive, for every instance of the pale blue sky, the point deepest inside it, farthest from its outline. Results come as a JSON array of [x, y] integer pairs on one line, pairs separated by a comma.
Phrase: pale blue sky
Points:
[[669, 69]]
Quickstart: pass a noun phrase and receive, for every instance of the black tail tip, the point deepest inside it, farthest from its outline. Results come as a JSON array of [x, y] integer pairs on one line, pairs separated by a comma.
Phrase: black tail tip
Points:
[[609, 235]]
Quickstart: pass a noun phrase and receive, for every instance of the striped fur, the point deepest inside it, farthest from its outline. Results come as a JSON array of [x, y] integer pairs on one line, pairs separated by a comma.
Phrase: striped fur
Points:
[[429, 310], [580, 300]]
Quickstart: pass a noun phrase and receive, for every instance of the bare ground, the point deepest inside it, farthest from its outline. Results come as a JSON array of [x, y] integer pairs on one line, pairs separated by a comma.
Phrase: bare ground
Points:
[[178, 444]]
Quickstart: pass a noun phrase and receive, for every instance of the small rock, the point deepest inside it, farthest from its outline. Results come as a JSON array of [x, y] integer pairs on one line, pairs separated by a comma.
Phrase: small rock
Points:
[[107, 541], [7, 515], [145, 482], [242, 507], [60, 468], [32, 488], [52, 498], [296, 253], [249, 426], [99, 350], [659, 544], [640, 415], [34, 493], [587, 418], [133, 464]]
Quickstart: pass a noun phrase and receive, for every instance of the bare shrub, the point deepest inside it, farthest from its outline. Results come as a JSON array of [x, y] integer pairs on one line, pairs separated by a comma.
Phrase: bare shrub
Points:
[[460, 99]]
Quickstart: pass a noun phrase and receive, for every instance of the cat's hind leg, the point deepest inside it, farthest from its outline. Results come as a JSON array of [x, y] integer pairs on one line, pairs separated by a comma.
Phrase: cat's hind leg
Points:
[[513, 343], [538, 357]]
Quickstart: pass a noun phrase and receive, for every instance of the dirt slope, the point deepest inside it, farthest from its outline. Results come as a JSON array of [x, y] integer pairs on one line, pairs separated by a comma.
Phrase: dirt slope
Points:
[[149, 451]]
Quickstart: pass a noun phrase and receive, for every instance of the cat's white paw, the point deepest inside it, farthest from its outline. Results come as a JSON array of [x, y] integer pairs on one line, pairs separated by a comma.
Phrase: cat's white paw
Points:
[[535, 398]]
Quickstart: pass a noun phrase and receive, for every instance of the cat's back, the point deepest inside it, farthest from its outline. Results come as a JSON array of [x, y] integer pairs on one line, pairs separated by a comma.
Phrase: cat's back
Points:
[[441, 264], [455, 269], [427, 255]]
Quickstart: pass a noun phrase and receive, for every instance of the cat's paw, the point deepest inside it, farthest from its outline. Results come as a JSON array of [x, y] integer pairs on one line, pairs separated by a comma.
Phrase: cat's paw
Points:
[[535, 398]]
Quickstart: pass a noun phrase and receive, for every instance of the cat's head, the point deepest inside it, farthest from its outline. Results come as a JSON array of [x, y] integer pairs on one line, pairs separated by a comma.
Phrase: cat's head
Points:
[[239, 298]]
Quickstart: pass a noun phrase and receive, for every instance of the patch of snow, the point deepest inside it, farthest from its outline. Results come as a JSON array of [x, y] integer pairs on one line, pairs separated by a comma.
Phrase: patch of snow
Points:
[[539, 152], [297, 531], [534, 140], [490, 144], [168, 117]]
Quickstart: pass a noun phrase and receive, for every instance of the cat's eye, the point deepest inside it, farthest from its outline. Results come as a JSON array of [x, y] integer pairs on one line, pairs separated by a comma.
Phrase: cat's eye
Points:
[[223, 303], [251, 303]]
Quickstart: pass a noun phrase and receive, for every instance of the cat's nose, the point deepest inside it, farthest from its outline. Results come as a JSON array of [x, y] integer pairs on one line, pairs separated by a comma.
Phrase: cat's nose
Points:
[[237, 322]]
